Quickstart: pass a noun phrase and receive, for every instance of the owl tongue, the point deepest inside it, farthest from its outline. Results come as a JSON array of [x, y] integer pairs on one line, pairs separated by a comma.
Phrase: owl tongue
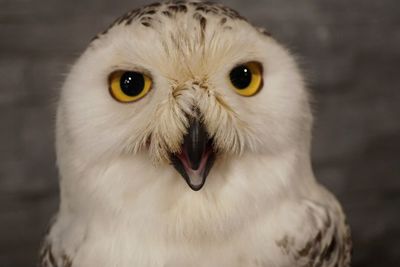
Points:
[[196, 157], [196, 177]]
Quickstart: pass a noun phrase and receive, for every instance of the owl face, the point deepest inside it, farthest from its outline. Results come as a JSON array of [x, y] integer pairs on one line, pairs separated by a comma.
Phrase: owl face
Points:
[[186, 85]]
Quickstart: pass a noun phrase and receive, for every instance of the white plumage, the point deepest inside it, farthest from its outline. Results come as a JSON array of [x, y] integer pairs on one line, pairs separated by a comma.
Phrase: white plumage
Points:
[[124, 201]]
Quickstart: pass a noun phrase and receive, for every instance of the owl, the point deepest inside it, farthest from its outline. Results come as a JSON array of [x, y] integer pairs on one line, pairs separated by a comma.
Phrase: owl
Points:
[[183, 139]]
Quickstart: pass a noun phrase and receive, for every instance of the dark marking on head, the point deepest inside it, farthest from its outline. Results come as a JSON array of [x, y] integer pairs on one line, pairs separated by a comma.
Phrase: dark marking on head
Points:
[[146, 18], [144, 15], [146, 21], [156, 4], [265, 32], [146, 24], [210, 7], [95, 38], [200, 8], [176, 2], [207, 9], [182, 8], [130, 15], [203, 24], [173, 8], [129, 21], [197, 16], [150, 12], [167, 13], [223, 21], [213, 9], [178, 8]]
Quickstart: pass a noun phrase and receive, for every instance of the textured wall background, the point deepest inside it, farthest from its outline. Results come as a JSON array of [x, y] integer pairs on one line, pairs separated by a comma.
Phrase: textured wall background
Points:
[[350, 53]]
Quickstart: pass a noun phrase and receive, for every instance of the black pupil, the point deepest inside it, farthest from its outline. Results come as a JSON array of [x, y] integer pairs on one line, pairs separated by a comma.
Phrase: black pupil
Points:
[[132, 83], [241, 77]]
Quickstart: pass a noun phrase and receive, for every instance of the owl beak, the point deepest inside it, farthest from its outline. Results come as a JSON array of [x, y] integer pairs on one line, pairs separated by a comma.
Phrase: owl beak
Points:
[[196, 157]]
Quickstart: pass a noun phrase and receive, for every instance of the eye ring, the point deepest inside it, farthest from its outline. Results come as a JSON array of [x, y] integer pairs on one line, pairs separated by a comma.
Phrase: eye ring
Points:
[[128, 86], [247, 79]]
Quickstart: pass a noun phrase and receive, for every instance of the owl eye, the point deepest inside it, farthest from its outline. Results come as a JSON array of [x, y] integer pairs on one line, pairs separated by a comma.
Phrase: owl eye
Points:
[[129, 86], [246, 79]]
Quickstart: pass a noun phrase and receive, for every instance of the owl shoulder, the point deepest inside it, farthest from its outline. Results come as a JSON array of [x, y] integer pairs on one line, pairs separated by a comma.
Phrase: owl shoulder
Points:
[[322, 240]]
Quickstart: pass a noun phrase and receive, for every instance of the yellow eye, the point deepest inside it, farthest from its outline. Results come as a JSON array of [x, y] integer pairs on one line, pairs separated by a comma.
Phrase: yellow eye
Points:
[[129, 86], [246, 79]]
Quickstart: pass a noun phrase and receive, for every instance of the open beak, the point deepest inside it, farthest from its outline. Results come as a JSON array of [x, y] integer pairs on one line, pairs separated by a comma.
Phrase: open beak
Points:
[[196, 157]]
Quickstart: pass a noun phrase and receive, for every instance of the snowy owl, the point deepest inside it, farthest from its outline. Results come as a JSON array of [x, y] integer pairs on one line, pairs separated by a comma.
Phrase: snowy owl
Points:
[[183, 140]]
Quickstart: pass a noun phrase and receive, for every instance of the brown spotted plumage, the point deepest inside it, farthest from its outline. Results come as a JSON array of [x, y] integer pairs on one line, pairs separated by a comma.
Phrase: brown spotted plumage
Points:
[[329, 245]]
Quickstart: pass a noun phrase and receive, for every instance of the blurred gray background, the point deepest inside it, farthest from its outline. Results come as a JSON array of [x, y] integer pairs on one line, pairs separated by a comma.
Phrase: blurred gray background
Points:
[[349, 50]]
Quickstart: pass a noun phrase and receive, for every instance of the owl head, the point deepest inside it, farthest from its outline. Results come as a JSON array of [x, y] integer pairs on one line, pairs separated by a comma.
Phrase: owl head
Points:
[[182, 90]]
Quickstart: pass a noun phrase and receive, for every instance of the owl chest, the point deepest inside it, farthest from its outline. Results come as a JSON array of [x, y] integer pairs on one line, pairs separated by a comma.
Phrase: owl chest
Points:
[[152, 248]]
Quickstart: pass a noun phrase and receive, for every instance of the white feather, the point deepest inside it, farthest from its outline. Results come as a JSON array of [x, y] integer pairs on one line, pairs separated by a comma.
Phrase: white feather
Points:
[[122, 204]]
